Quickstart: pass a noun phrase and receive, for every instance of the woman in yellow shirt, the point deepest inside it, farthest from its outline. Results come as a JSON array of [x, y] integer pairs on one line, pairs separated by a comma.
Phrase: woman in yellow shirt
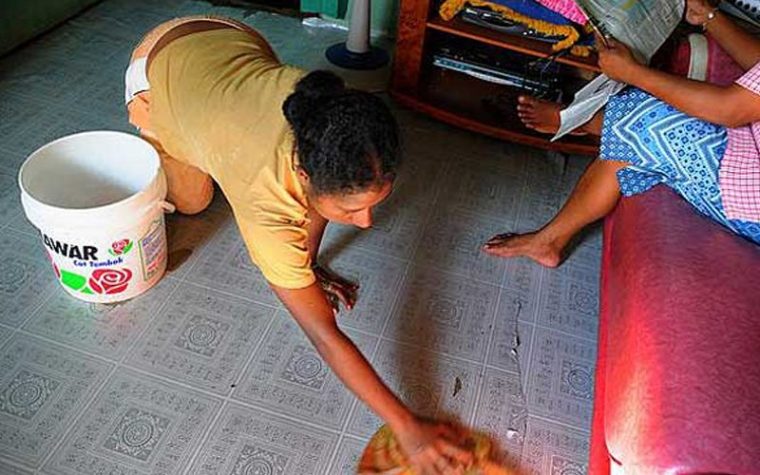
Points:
[[291, 151]]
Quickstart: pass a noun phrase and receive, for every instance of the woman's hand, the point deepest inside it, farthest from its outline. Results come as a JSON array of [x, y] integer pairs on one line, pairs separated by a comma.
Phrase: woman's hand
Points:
[[435, 449], [697, 10], [617, 61], [337, 288]]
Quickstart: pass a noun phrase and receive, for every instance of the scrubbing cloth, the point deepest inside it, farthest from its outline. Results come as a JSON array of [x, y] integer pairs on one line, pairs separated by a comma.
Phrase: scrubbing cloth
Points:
[[383, 456]]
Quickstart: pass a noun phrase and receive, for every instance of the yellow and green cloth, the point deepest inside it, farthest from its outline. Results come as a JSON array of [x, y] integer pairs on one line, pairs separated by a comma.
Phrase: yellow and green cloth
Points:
[[383, 456], [529, 13]]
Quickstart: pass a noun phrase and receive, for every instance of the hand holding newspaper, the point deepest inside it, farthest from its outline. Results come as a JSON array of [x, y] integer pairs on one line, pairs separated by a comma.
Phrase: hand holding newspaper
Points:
[[643, 25]]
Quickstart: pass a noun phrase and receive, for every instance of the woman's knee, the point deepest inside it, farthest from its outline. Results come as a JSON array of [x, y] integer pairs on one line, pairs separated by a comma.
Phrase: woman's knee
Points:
[[192, 203]]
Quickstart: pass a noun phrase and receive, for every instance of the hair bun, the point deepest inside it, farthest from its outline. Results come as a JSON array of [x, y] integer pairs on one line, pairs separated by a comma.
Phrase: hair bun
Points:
[[310, 92]]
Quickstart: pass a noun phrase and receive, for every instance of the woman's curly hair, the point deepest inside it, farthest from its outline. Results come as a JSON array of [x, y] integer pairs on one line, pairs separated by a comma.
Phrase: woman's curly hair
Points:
[[347, 140]]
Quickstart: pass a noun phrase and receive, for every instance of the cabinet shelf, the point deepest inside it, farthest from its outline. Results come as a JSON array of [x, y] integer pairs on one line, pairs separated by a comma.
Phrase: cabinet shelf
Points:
[[462, 100], [529, 46]]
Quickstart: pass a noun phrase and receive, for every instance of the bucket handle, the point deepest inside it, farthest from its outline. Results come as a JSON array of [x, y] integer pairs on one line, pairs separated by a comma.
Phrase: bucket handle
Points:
[[167, 207]]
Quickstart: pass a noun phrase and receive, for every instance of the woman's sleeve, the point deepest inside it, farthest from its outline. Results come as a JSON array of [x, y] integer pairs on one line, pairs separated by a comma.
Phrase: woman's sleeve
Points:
[[279, 249], [751, 79]]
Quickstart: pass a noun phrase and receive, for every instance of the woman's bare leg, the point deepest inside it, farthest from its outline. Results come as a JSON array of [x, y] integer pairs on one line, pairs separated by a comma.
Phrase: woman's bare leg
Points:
[[595, 196], [188, 188]]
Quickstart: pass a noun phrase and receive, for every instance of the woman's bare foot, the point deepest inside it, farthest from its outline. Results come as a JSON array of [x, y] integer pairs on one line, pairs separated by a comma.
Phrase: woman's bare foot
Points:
[[532, 245], [541, 116]]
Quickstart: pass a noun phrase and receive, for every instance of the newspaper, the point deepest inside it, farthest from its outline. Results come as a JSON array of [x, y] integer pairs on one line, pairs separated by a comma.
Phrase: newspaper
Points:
[[643, 25]]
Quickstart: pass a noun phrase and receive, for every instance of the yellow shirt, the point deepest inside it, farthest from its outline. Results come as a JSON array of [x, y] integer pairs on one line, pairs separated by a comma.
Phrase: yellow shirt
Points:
[[216, 103]]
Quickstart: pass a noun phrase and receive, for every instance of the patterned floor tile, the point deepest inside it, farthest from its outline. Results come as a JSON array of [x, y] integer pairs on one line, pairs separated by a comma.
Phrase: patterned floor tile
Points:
[[570, 298], [523, 278], [553, 449], [107, 330], [247, 441], [106, 94], [400, 219], [5, 334], [188, 236], [502, 414], [486, 185], [561, 385], [287, 375], [117, 19], [55, 80], [542, 196], [379, 279], [42, 389], [225, 265], [202, 338], [16, 116], [510, 336], [74, 40], [21, 224], [453, 242], [433, 386], [7, 469], [444, 312], [443, 143], [137, 424], [10, 202], [27, 278], [347, 459]]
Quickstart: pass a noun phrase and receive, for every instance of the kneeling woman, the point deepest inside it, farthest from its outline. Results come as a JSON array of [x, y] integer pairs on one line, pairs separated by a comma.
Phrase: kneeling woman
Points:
[[700, 139], [291, 151]]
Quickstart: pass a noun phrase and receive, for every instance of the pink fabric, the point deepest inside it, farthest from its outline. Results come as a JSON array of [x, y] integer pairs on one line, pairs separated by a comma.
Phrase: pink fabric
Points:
[[566, 8], [740, 166], [721, 68], [680, 330]]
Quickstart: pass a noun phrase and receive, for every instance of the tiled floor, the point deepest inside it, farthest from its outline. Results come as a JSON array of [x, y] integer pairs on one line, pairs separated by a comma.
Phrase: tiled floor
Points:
[[207, 374]]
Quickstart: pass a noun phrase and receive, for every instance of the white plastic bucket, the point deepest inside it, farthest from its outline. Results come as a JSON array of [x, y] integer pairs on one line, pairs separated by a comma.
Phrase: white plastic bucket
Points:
[[98, 200]]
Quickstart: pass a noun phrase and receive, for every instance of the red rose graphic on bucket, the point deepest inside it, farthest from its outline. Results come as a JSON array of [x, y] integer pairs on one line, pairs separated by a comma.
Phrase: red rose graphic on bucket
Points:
[[120, 247], [110, 281]]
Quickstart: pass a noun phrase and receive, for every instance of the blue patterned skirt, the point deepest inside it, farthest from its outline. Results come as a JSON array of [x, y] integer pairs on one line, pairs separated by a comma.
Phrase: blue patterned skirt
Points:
[[664, 145]]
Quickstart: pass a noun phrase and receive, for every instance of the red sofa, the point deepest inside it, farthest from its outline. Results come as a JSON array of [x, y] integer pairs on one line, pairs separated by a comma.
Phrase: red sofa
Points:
[[678, 366]]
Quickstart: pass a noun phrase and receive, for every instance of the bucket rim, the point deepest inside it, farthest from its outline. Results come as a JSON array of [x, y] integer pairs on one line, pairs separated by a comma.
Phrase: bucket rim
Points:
[[78, 211]]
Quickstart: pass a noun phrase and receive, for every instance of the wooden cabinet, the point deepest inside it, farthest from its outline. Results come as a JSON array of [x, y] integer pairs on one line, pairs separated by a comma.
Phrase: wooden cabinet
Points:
[[461, 99]]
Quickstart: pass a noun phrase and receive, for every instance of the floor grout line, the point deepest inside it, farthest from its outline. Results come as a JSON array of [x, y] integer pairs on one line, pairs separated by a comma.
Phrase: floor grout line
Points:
[[585, 339], [562, 424], [231, 400]]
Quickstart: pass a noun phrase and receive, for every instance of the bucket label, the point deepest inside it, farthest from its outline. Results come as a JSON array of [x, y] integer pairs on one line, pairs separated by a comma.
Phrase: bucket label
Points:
[[100, 281], [151, 247], [71, 251]]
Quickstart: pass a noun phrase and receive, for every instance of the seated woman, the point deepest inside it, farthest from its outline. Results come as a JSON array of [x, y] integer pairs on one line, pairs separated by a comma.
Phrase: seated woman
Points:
[[700, 139], [291, 151]]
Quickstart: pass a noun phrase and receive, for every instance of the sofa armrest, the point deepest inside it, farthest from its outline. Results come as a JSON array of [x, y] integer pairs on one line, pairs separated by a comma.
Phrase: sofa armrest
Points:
[[681, 306]]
